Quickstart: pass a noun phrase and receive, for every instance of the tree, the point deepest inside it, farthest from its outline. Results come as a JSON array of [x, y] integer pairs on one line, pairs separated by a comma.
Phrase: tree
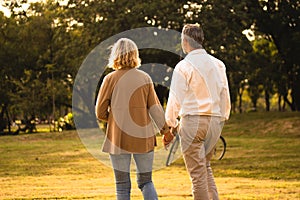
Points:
[[267, 65], [8, 62], [42, 47], [223, 24], [279, 21], [29, 64]]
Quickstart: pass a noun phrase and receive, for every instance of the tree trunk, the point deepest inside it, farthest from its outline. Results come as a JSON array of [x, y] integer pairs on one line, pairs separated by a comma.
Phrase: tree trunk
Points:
[[233, 107], [8, 119], [288, 102], [240, 100], [267, 100], [296, 95], [254, 102], [2, 121], [279, 102]]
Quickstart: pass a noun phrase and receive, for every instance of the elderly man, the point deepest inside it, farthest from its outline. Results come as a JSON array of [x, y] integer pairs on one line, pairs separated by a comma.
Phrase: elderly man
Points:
[[199, 94]]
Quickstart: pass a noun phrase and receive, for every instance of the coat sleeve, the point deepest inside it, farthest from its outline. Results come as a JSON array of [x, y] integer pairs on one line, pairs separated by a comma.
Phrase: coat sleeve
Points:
[[155, 109], [103, 100]]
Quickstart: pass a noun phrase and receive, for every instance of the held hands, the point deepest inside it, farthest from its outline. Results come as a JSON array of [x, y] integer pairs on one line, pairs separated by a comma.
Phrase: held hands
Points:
[[167, 137]]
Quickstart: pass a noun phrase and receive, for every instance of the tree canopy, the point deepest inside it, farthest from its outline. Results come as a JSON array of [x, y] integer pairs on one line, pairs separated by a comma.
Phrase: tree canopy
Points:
[[42, 46]]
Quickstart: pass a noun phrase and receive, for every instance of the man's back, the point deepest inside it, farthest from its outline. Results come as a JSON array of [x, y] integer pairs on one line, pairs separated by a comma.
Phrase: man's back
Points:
[[200, 85]]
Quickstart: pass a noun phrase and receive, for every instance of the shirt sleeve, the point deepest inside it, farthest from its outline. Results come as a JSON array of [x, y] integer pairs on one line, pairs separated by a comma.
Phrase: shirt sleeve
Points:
[[103, 101], [178, 89], [225, 97]]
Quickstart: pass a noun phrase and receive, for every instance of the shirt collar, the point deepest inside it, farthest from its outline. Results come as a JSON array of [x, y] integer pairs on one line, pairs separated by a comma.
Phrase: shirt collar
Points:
[[197, 51]]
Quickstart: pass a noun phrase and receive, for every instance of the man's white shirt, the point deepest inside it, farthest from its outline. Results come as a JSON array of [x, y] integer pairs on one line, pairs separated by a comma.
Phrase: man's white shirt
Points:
[[199, 86]]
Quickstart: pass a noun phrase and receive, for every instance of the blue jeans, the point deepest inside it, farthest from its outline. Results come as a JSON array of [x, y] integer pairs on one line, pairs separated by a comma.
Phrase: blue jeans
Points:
[[143, 162]]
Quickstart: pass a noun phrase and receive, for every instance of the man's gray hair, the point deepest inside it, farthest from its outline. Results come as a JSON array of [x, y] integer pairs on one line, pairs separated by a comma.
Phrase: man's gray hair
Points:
[[194, 35]]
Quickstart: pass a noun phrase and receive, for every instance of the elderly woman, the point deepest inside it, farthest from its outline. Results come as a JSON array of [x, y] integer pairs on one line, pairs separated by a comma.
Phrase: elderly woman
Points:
[[127, 102]]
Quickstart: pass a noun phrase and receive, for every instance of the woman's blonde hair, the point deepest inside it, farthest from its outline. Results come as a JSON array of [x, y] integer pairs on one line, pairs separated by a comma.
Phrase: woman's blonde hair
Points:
[[124, 54]]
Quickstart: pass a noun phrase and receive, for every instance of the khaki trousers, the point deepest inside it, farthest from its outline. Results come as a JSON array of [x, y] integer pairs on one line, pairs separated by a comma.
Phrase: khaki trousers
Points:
[[198, 137]]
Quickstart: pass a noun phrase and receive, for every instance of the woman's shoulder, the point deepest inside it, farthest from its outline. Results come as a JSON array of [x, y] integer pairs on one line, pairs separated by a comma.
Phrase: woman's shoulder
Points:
[[131, 74], [143, 75], [112, 76], [141, 72]]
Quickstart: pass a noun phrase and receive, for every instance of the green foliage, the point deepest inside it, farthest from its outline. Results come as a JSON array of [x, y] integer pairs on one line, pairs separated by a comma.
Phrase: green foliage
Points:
[[42, 47]]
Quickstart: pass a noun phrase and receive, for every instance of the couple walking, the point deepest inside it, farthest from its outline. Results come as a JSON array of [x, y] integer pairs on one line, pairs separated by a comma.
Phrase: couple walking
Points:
[[127, 101]]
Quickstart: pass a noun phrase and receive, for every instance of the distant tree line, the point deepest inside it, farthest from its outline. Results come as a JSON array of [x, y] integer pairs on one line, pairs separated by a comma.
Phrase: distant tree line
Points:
[[42, 46]]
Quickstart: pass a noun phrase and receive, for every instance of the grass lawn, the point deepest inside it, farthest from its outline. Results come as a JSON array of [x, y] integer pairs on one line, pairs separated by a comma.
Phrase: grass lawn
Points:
[[262, 162]]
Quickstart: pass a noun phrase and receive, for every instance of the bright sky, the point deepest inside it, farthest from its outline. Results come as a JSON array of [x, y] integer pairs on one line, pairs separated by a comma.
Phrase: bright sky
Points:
[[4, 10], [7, 11]]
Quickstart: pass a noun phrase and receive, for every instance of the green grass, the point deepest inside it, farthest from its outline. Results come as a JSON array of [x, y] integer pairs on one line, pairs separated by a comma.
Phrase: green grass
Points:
[[263, 146], [262, 162]]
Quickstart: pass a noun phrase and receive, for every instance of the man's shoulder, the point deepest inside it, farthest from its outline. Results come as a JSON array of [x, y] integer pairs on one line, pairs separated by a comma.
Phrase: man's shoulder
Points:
[[217, 60], [181, 65]]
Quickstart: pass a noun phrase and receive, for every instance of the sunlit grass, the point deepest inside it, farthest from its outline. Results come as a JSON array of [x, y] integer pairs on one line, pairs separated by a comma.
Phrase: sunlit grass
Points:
[[258, 164]]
